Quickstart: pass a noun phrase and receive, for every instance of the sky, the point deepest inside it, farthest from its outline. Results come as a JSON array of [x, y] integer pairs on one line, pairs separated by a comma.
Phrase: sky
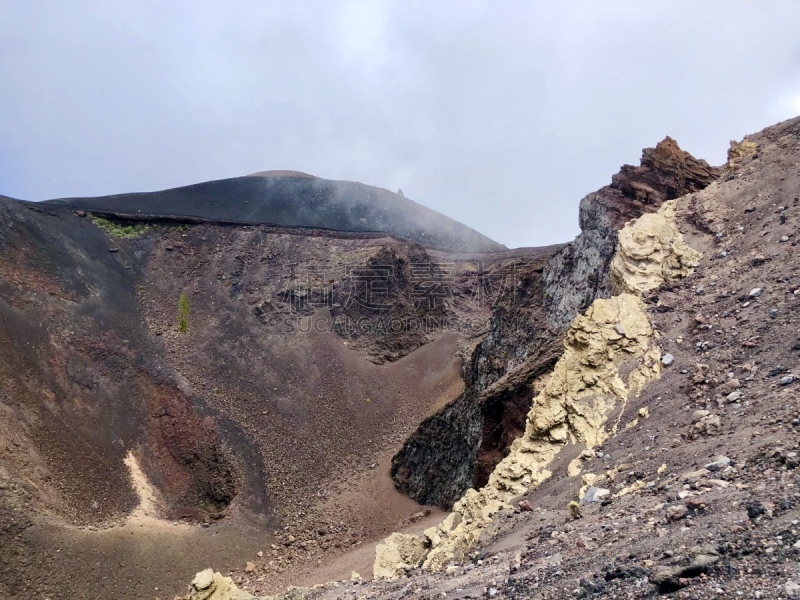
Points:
[[501, 114]]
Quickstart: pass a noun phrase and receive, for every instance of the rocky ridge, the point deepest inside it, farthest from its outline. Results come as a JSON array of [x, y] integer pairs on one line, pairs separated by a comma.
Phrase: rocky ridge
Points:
[[460, 446]]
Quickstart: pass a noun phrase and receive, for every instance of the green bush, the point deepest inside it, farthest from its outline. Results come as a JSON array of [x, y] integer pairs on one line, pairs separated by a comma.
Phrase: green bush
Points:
[[118, 230], [183, 313]]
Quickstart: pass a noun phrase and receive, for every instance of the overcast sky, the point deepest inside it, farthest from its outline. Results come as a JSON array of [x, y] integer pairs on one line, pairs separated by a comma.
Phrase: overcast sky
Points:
[[501, 114]]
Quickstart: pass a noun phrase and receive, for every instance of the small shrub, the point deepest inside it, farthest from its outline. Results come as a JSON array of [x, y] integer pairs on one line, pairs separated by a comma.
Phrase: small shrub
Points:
[[183, 313]]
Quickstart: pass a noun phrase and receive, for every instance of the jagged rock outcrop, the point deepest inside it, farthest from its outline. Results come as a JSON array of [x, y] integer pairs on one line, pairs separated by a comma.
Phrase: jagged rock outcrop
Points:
[[666, 172], [609, 356], [739, 150], [579, 274], [459, 446]]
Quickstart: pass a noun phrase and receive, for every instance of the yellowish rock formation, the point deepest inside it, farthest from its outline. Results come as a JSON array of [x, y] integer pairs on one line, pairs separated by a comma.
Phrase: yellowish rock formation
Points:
[[586, 390], [651, 250], [208, 585], [398, 553], [211, 585], [609, 357], [739, 150]]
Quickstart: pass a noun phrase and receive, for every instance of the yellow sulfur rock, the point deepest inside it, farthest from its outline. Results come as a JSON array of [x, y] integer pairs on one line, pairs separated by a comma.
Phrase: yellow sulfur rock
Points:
[[634, 487], [398, 553], [739, 150], [208, 585], [586, 388], [651, 250]]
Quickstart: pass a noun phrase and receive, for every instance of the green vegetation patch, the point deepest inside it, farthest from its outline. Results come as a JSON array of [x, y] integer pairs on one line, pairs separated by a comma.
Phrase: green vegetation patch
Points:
[[117, 229], [183, 313]]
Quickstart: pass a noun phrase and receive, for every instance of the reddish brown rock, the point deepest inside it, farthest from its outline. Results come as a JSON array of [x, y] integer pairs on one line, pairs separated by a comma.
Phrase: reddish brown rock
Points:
[[666, 172]]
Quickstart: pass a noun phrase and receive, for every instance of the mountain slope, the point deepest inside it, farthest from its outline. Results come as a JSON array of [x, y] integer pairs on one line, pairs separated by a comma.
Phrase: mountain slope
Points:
[[294, 200], [463, 442], [123, 437]]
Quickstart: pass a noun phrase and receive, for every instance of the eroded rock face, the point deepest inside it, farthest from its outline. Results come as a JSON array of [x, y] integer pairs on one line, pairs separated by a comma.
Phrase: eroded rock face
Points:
[[609, 356], [467, 438], [457, 448], [666, 172], [586, 386], [437, 462], [579, 274], [397, 260]]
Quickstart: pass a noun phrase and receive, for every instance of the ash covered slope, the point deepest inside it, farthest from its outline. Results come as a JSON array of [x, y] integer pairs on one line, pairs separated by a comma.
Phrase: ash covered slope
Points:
[[83, 387], [291, 199], [115, 424]]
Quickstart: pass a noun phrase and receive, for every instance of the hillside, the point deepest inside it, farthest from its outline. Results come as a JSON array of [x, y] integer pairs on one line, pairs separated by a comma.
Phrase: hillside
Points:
[[124, 437], [615, 416], [290, 199]]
